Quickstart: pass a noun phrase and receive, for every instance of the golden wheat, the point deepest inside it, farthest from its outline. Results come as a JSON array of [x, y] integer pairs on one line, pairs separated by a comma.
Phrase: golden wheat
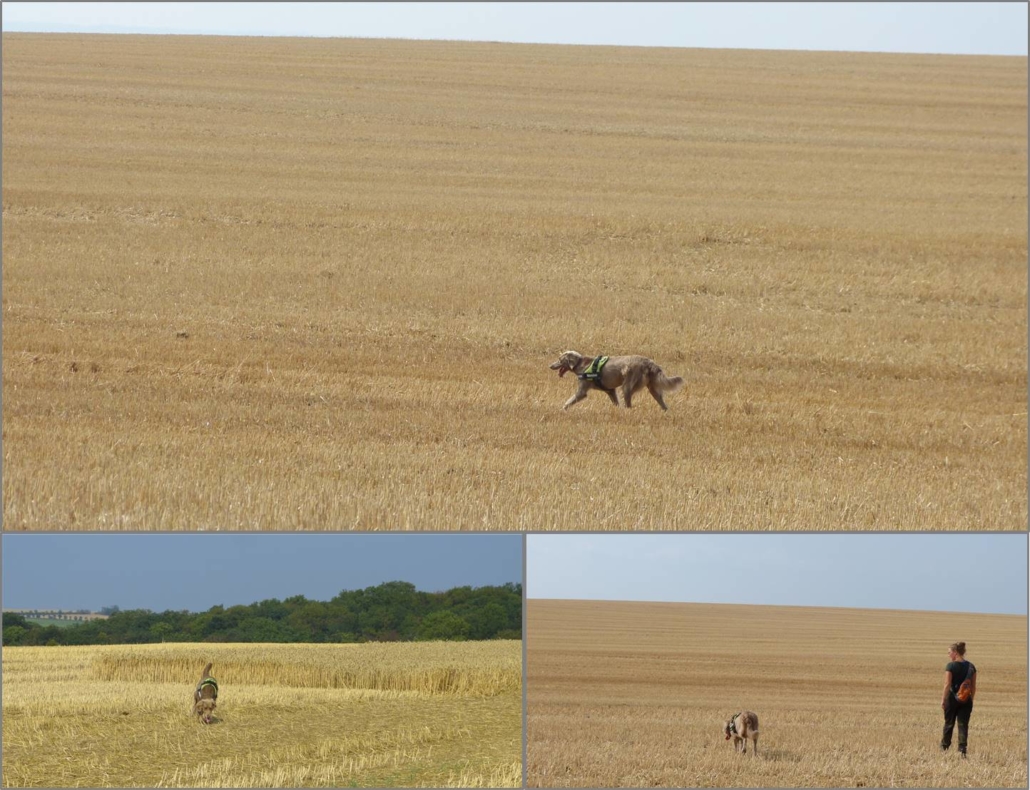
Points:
[[636, 694], [468, 668], [281, 283], [288, 716]]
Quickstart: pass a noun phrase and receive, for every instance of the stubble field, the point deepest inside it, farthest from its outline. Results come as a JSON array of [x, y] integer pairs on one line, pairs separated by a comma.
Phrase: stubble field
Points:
[[636, 694], [316, 284], [394, 715]]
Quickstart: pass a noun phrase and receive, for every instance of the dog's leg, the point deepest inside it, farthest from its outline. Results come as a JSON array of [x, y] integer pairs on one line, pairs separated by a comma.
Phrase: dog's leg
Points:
[[657, 395], [581, 393], [614, 397], [629, 386]]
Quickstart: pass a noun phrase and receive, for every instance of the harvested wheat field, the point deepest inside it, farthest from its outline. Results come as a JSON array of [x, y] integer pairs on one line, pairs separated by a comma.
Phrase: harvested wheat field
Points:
[[636, 695], [397, 715], [316, 284]]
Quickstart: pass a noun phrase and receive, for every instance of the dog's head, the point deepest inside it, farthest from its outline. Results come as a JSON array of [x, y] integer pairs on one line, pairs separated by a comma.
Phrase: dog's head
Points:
[[569, 360], [728, 729], [205, 708]]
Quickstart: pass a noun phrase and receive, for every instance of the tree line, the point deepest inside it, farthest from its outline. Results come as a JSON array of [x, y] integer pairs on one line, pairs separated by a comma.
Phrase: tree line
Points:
[[389, 612]]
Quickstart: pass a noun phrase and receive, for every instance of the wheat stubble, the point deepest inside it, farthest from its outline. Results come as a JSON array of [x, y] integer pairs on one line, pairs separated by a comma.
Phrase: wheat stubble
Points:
[[280, 283]]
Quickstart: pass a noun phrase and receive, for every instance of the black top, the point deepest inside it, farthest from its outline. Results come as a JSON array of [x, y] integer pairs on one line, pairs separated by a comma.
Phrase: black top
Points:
[[959, 671]]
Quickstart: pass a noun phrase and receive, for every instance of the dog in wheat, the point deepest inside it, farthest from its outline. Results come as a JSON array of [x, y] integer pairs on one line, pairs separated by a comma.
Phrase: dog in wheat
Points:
[[205, 696], [608, 374], [741, 727]]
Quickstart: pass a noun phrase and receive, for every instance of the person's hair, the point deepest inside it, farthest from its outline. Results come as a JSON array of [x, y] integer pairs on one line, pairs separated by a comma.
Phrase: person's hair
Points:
[[959, 647]]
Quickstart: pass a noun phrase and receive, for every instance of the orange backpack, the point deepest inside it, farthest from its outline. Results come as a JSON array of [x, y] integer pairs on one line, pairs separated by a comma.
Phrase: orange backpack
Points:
[[965, 691]]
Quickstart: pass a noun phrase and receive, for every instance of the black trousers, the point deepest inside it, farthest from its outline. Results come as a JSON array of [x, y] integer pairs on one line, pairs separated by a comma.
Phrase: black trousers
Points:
[[955, 711]]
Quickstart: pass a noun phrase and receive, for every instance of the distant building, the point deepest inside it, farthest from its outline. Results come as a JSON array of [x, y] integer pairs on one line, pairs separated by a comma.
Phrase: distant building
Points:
[[57, 614]]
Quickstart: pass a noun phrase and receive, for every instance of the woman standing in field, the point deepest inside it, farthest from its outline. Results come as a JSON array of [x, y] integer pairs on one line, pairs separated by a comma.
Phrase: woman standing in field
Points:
[[955, 707]]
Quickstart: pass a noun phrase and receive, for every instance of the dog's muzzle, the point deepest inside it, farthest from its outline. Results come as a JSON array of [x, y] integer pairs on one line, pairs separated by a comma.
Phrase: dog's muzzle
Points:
[[562, 369]]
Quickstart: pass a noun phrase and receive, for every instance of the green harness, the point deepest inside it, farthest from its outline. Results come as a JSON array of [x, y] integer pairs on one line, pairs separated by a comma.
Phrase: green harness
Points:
[[593, 372], [207, 682]]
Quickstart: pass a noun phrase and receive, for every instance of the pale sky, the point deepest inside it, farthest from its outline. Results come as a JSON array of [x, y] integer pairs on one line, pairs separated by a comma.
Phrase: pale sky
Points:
[[946, 28], [985, 573], [196, 571]]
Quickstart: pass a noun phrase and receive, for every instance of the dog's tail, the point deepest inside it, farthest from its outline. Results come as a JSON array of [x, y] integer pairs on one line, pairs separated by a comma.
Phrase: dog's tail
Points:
[[752, 722], [666, 383], [207, 672]]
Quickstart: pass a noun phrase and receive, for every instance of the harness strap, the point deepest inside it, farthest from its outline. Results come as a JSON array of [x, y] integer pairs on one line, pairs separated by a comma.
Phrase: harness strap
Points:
[[208, 682], [593, 372]]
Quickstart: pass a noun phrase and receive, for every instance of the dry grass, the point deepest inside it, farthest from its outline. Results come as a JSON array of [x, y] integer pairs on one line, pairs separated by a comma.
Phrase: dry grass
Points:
[[275, 284], [119, 716], [635, 695]]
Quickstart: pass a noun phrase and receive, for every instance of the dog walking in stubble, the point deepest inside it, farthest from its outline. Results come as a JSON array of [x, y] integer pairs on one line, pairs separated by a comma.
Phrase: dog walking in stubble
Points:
[[630, 374], [740, 728], [205, 696]]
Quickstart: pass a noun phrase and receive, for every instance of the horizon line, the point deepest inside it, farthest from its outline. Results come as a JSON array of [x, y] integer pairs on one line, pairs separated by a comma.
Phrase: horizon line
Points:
[[114, 31], [777, 605]]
